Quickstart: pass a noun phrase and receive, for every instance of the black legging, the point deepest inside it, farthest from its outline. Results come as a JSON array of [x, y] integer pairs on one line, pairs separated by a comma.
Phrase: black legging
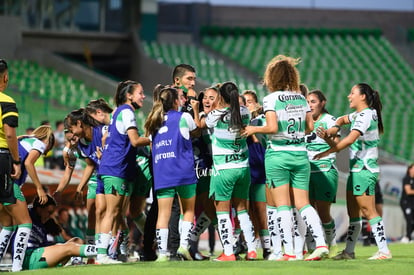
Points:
[[408, 211]]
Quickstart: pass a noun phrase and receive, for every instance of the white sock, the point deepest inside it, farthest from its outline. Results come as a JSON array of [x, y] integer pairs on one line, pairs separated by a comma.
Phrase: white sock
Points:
[[299, 231], [248, 230], [313, 222], [377, 227], [352, 235], [285, 225], [87, 250], [264, 238], [5, 235], [162, 240], [102, 244], [201, 225], [185, 233], [225, 230], [274, 230], [330, 233], [20, 245]]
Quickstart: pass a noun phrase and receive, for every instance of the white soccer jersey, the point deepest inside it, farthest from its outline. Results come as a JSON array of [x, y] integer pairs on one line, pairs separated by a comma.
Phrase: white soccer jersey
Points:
[[364, 151], [316, 145], [229, 148], [291, 109]]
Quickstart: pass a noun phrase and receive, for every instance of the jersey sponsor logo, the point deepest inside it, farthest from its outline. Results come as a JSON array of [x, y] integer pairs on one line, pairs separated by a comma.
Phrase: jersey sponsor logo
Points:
[[295, 141], [235, 157], [284, 98]]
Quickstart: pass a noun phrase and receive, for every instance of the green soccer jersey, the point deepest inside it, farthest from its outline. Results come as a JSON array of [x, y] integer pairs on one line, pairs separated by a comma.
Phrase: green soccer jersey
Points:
[[315, 145], [229, 148], [364, 151], [291, 109]]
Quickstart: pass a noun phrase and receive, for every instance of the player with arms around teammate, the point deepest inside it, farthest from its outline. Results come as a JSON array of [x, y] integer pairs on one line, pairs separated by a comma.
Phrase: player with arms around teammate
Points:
[[366, 126]]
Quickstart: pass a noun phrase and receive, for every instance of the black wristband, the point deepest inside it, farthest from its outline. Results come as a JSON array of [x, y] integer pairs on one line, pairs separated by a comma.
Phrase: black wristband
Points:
[[17, 162], [337, 126]]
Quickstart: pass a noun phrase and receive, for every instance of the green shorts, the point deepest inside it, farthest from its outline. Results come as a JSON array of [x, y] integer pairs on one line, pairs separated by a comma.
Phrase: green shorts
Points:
[[92, 185], [33, 259], [362, 182], [183, 191], [230, 183], [203, 184], [115, 185], [17, 194], [287, 167], [323, 185], [258, 192]]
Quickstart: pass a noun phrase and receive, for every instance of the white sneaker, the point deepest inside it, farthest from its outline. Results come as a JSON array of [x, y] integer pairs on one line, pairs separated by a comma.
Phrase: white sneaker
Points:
[[106, 260], [404, 240], [381, 256], [318, 254]]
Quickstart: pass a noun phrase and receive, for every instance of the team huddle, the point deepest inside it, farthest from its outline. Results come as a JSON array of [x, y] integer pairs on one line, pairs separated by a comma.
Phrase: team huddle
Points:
[[256, 172]]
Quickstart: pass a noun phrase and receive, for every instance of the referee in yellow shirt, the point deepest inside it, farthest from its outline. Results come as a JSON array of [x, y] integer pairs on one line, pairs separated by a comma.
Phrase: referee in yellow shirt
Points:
[[9, 152]]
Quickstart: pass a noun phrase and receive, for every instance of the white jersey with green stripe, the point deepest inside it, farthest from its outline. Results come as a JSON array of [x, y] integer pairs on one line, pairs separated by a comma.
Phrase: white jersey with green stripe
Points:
[[229, 148], [364, 151], [291, 109], [315, 145]]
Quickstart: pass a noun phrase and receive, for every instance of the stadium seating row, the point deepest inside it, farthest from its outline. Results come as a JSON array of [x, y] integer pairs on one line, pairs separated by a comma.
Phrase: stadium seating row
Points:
[[331, 60], [54, 94]]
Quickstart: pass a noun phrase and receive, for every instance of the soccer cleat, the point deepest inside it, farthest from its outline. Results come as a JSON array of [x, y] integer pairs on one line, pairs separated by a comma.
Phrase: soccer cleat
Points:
[[199, 257], [162, 258], [225, 258], [251, 256], [318, 254], [381, 256], [333, 251], [266, 253], [343, 255], [104, 259], [184, 253], [274, 256]]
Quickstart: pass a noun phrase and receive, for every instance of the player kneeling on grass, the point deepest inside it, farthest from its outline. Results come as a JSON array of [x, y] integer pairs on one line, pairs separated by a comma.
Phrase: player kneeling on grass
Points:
[[40, 253]]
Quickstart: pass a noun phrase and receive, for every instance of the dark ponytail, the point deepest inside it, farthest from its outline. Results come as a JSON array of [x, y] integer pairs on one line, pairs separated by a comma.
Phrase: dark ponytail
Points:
[[373, 100], [123, 88], [230, 94]]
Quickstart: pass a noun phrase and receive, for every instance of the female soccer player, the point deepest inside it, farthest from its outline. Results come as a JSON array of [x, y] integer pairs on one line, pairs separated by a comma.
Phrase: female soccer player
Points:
[[11, 215], [117, 167], [324, 175], [230, 180], [173, 166], [366, 126], [288, 119]]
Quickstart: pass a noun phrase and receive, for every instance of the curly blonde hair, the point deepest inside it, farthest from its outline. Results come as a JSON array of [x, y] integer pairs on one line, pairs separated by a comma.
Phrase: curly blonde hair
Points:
[[281, 74]]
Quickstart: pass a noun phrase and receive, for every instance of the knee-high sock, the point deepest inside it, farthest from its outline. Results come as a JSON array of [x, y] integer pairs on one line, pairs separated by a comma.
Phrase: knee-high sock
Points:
[[20, 245], [313, 222], [201, 225], [330, 233], [5, 235], [299, 231], [274, 230], [354, 229], [378, 230], [247, 228], [162, 240], [285, 225], [185, 233], [225, 230]]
